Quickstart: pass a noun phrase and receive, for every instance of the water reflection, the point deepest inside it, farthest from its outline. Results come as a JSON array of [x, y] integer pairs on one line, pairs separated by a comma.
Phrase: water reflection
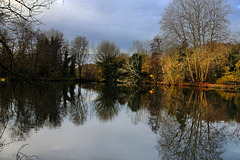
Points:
[[106, 104], [78, 106], [193, 125], [188, 123]]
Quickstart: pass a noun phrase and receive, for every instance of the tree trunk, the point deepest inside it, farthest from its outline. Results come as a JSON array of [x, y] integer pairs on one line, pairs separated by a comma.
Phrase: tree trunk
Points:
[[80, 72]]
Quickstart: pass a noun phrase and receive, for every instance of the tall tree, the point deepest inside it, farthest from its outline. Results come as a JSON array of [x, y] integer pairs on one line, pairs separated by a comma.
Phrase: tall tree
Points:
[[156, 46], [194, 23], [72, 71], [66, 60], [80, 51], [50, 48], [156, 57], [54, 43], [105, 57], [141, 47]]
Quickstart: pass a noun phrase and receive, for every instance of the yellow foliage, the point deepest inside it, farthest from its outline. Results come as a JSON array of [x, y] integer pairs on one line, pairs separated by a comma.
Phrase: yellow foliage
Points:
[[233, 76], [2, 79], [228, 78], [237, 66], [146, 65], [151, 76], [173, 70], [229, 96], [151, 91]]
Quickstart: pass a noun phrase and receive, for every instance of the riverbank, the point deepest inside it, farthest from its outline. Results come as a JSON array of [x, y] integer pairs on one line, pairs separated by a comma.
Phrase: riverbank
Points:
[[211, 86], [202, 86]]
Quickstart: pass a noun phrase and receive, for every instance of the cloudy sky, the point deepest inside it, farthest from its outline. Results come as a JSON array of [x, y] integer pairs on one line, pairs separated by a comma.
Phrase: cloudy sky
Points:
[[121, 21]]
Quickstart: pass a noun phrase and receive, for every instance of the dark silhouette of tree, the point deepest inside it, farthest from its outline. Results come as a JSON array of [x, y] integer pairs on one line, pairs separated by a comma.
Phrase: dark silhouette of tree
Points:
[[72, 67], [134, 102], [105, 105], [66, 61], [50, 54], [79, 107], [106, 54], [156, 46], [79, 49]]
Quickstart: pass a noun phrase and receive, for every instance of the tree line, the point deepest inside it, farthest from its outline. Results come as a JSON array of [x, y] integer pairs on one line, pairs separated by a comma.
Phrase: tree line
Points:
[[194, 45]]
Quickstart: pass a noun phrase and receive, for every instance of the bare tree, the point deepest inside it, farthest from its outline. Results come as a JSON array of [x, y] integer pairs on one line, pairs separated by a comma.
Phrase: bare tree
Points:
[[196, 24], [156, 46], [14, 10], [24, 36], [106, 51], [140, 47], [80, 51]]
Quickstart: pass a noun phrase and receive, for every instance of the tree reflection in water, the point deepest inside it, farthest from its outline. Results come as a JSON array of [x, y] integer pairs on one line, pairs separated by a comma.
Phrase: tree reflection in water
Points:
[[25, 108], [79, 107], [106, 105], [188, 123], [191, 125]]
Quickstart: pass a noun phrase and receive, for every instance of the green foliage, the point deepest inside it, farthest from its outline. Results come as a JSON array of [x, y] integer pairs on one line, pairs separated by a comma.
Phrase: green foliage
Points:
[[136, 60], [138, 67], [106, 59], [233, 58], [109, 70], [231, 76], [232, 70]]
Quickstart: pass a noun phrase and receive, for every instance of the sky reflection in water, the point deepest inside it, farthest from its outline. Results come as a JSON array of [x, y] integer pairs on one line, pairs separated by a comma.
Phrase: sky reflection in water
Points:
[[97, 121]]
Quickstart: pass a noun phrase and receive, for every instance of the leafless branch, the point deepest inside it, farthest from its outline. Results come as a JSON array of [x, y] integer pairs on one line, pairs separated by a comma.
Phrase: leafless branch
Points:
[[15, 10]]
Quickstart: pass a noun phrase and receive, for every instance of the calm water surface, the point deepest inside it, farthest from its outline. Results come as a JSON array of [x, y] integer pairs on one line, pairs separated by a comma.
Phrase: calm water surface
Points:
[[106, 122]]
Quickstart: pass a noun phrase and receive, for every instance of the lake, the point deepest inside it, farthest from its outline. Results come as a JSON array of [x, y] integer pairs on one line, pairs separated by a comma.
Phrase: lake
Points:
[[95, 121]]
